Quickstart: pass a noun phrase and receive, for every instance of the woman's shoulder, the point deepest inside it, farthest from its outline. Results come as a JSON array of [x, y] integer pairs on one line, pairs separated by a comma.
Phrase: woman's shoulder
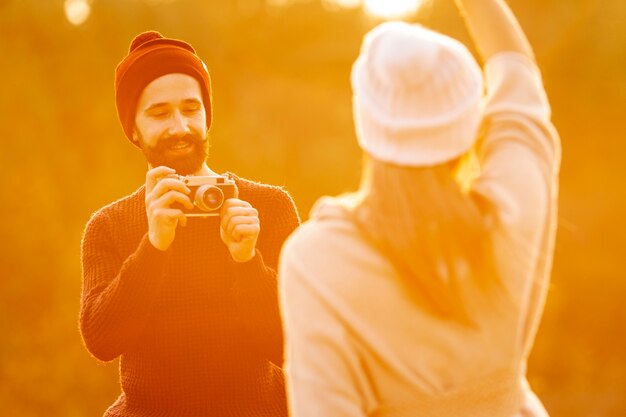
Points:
[[329, 226], [330, 252]]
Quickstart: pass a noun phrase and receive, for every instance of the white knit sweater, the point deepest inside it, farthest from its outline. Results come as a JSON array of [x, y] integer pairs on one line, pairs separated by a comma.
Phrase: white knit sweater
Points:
[[356, 345]]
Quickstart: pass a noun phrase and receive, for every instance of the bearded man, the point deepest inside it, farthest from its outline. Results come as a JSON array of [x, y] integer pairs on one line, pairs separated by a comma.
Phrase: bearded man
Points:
[[183, 294]]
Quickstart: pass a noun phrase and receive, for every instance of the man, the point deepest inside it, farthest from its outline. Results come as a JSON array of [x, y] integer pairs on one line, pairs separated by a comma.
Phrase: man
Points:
[[189, 304]]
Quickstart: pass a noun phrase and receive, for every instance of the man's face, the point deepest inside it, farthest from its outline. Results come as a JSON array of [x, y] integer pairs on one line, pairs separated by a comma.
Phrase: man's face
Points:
[[170, 124]]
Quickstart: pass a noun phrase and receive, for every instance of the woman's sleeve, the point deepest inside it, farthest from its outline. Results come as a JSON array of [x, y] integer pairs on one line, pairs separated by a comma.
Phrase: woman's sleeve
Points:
[[519, 151], [519, 154]]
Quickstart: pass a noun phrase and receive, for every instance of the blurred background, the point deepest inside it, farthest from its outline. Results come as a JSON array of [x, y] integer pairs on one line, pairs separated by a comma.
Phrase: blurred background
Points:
[[280, 73]]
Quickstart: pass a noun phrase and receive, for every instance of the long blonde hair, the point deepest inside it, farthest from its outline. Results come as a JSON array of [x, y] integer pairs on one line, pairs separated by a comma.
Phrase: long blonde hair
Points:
[[428, 226]]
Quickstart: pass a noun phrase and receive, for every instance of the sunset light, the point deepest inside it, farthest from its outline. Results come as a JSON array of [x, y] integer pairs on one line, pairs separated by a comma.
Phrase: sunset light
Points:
[[77, 11], [498, 262], [345, 4], [393, 9], [383, 9]]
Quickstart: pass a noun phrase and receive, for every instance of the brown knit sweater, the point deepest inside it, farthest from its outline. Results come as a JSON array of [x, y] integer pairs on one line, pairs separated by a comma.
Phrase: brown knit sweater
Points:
[[197, 333]]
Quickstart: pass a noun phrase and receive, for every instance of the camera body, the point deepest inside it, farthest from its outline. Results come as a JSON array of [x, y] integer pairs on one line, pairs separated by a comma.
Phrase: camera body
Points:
[[208, 194]]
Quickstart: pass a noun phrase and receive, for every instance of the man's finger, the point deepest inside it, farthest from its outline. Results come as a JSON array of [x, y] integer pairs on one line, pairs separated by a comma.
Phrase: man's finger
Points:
[[166, 185], [245, 231], [238, 211], [240, 220], [233, 202], [236, 214], [172, 214], [171, 197], [153, 176]]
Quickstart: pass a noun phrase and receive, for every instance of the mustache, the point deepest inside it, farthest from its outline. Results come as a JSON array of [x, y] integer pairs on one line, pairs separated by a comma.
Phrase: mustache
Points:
[[167, 141]]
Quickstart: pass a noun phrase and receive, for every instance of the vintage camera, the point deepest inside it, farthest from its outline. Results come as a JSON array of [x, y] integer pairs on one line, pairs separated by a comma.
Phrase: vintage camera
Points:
[[208, 194]]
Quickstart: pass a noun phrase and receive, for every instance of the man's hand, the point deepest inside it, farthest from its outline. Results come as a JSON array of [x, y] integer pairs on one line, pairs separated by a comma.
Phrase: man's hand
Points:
[[239, 228], [161, 192]]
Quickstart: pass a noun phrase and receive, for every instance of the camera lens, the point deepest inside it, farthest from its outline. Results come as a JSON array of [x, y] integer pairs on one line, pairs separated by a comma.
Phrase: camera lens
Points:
[[209, 198]]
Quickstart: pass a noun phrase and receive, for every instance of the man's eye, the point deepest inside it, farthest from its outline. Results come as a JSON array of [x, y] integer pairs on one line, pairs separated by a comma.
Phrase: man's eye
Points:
[[191, 109], [158, 114]]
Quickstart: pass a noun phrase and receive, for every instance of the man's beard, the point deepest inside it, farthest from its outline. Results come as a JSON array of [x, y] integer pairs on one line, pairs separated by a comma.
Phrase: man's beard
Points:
[[187, 164]]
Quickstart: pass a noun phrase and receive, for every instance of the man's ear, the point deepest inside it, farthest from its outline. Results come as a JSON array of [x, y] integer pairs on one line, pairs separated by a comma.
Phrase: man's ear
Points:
[[136, 137]]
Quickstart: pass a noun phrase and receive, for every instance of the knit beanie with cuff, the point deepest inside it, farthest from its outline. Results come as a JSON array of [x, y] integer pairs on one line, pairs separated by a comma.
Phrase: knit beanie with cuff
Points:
[[416, 95], [151, 56]]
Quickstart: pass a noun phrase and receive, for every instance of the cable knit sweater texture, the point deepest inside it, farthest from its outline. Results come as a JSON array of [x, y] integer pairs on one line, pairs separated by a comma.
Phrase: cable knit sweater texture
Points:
[[197, 333]]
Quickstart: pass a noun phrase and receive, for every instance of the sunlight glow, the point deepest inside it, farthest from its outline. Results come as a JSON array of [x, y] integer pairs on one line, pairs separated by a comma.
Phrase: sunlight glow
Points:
[[341, 4], [77, 11], [384, 9], [392, 9]]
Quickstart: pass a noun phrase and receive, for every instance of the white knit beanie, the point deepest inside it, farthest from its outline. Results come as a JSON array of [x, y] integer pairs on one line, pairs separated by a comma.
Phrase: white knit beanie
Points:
[[416, 95]]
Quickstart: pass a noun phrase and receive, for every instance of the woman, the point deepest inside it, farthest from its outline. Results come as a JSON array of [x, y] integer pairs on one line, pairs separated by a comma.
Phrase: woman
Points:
[[420, 294]]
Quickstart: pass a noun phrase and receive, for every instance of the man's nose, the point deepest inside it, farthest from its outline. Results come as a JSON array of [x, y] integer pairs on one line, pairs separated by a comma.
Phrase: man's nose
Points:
[[178, 125]]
